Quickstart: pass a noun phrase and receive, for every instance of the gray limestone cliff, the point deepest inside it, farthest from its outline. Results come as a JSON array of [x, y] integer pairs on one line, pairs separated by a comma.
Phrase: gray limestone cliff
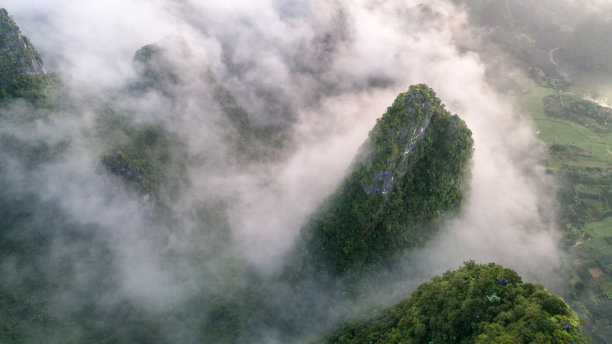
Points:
[[16, 50], [21, 66]]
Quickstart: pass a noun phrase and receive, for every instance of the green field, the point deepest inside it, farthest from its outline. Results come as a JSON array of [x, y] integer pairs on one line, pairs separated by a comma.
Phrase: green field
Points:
[[597, 254], [594, 146], [580, 159]]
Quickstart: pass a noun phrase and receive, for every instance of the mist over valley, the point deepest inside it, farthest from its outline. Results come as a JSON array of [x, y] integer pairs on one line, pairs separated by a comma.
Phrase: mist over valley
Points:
[[305, 172]]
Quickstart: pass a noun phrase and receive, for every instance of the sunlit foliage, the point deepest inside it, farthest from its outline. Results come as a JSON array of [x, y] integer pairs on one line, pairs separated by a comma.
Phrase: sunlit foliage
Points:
[[475, 304]]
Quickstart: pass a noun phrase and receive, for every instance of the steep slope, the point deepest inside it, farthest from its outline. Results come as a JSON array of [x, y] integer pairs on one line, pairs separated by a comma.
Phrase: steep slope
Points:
[[21, 67], [189, 95], [170, 68], [408, 174], [475, 304]]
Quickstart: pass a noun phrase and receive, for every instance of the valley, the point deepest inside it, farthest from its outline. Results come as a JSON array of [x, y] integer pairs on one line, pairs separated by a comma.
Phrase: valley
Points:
[[321, 172], [579, 158]]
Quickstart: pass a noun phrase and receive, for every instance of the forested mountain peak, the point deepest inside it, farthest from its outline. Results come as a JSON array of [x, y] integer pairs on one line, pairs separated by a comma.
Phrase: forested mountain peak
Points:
[[475, 304], [407, 175]]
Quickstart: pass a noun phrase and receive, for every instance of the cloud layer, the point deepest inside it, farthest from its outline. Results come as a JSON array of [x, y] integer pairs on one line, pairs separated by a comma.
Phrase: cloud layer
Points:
[[321, 71]]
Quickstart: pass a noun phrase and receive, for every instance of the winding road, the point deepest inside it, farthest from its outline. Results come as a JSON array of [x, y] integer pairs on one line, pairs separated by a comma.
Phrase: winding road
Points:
[[551, 58]]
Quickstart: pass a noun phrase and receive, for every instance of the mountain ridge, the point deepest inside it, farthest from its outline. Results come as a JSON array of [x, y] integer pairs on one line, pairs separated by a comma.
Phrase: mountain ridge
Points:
[[21, 66]]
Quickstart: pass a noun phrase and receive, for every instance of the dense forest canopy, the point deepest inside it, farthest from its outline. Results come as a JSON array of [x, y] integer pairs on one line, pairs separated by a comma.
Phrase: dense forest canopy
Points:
[[407, 176], [474, 304], [140, 212]]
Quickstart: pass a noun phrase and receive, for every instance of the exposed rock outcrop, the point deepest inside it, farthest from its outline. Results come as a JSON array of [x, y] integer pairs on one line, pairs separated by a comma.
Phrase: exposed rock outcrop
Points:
[[22, 71], [16, 50]]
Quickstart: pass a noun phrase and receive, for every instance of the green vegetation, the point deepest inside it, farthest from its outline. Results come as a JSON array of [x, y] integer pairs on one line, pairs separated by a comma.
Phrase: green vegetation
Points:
[[581, 111], [578, 135], [584, 133], [408, 174], [147, 158], [475, 304], [122, 165], [22, 73], [567, 52]]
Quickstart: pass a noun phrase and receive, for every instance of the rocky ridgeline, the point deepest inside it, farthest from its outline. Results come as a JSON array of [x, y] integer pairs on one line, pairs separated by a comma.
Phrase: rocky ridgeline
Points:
[[408, 136], [16, 51]]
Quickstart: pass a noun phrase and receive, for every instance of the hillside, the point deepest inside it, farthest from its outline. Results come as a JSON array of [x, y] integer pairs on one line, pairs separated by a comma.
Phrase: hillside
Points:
[[21, 67], [475, 304]]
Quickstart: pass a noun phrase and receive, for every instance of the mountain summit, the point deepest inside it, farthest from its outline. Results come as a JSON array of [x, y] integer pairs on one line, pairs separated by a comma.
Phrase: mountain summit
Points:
[[481, 304], [408, 173]]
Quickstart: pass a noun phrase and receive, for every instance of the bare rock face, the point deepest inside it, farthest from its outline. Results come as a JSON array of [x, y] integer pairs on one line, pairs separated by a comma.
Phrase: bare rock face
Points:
[[409, 135], [17, 54]]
